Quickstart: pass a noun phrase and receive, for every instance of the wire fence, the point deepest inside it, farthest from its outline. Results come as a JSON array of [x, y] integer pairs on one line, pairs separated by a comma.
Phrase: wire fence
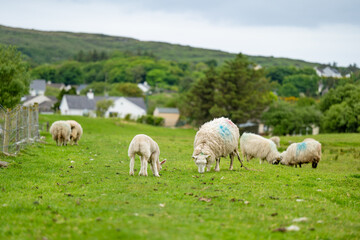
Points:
[[19, 127]]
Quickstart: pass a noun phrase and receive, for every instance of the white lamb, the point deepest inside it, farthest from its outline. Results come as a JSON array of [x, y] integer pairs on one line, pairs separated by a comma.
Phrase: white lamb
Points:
[[215, 139], [60, 131], [308, 151], [255, 146], [149, 151], [276, 140], [76, 131]]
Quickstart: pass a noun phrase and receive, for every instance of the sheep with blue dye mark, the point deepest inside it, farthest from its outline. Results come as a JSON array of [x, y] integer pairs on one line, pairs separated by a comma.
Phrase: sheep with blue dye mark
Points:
[[215, 139], [255, 146], [308, 151]]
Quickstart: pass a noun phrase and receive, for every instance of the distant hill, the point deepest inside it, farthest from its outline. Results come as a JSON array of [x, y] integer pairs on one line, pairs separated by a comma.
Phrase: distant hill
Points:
[[48, 47]]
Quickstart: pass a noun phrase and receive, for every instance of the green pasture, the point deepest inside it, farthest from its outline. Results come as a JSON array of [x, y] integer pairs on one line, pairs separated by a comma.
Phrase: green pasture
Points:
[[85, 191]]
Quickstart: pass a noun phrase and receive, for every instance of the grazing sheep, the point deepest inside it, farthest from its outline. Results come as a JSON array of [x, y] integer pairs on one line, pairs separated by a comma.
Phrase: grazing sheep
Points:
[[60, 131], [308, 151], [276, 140], [76, 131], [149, 151], [215, 139], [255, 146]]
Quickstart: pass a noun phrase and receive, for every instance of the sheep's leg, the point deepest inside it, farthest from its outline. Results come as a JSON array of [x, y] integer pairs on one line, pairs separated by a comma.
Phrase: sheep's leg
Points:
[[145, 162], [208, 167], [217, 167], [132, 162], [299, 165], [142, 160], [154, 166], [260, 160], [231, 161]]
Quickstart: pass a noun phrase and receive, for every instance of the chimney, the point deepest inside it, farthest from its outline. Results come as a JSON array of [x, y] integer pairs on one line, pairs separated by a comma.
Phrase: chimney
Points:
[[90, 94]]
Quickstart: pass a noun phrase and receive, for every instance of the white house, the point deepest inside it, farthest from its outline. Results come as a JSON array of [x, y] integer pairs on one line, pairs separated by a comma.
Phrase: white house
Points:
[[328, 72], [144, 87], [86, 105], [46, 103], [37, 87]]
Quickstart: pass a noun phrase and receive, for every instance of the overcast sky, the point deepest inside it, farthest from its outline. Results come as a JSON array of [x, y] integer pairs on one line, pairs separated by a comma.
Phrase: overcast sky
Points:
[[312, 30]]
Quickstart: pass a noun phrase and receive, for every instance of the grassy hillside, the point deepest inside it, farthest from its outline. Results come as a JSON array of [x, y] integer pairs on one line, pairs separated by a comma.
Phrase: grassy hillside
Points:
[[49, 47], [85, 191]]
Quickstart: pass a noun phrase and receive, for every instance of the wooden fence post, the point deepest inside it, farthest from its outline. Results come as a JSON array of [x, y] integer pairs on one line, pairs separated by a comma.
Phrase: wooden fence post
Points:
[[29, 126], [17, 137], [7, 131], [35, 121]]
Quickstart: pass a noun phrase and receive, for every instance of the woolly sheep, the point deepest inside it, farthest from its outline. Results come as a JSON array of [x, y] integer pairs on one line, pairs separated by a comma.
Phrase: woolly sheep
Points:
[[149, 151], [308, 151], [255, 146], [276, 140], [76, 131], [215, 139], [60, 131]]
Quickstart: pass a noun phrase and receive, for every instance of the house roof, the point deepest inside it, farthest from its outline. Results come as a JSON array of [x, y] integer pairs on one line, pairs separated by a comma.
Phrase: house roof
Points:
[[83, 102], [168, 110], [81, 87], [38, 85], [137, 101], [80, 102]]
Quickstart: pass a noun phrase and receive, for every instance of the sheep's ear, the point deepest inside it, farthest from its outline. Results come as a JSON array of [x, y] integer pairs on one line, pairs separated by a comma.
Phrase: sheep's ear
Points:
[[163, 162]]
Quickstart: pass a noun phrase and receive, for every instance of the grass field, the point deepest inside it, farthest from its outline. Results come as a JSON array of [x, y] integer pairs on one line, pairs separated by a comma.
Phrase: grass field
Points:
[[85, 191]]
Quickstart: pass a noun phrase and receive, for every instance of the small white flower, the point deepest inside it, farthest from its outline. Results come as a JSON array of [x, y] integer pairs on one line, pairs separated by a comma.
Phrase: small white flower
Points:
[[299, 200], [302, 219], [320, 221], [136, 214], [319, 190], [72, 161], [293, 228], [162, 204], [91, 159]]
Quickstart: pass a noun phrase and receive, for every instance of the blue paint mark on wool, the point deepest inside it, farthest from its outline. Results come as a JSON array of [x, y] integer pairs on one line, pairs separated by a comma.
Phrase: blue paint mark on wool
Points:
[[224, 132], [300, 147]]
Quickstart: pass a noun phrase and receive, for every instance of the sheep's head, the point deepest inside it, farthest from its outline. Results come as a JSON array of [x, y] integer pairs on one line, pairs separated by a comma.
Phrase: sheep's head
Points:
[[200, 161], [73, 134], [277, 160], [315, 162]]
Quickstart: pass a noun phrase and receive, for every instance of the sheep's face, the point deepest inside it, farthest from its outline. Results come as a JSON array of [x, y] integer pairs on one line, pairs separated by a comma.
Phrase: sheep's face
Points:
[[201, 161], [277, 160], [73, 134], [315, 163]]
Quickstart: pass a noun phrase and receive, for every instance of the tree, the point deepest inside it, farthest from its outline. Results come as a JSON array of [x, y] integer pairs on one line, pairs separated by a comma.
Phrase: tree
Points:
[[98, 88], [102, 106], [125, 89], [14, 77], [69, 73], [240, 91], [200, 98], [341, 109], [45, 71], [288, 118]]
